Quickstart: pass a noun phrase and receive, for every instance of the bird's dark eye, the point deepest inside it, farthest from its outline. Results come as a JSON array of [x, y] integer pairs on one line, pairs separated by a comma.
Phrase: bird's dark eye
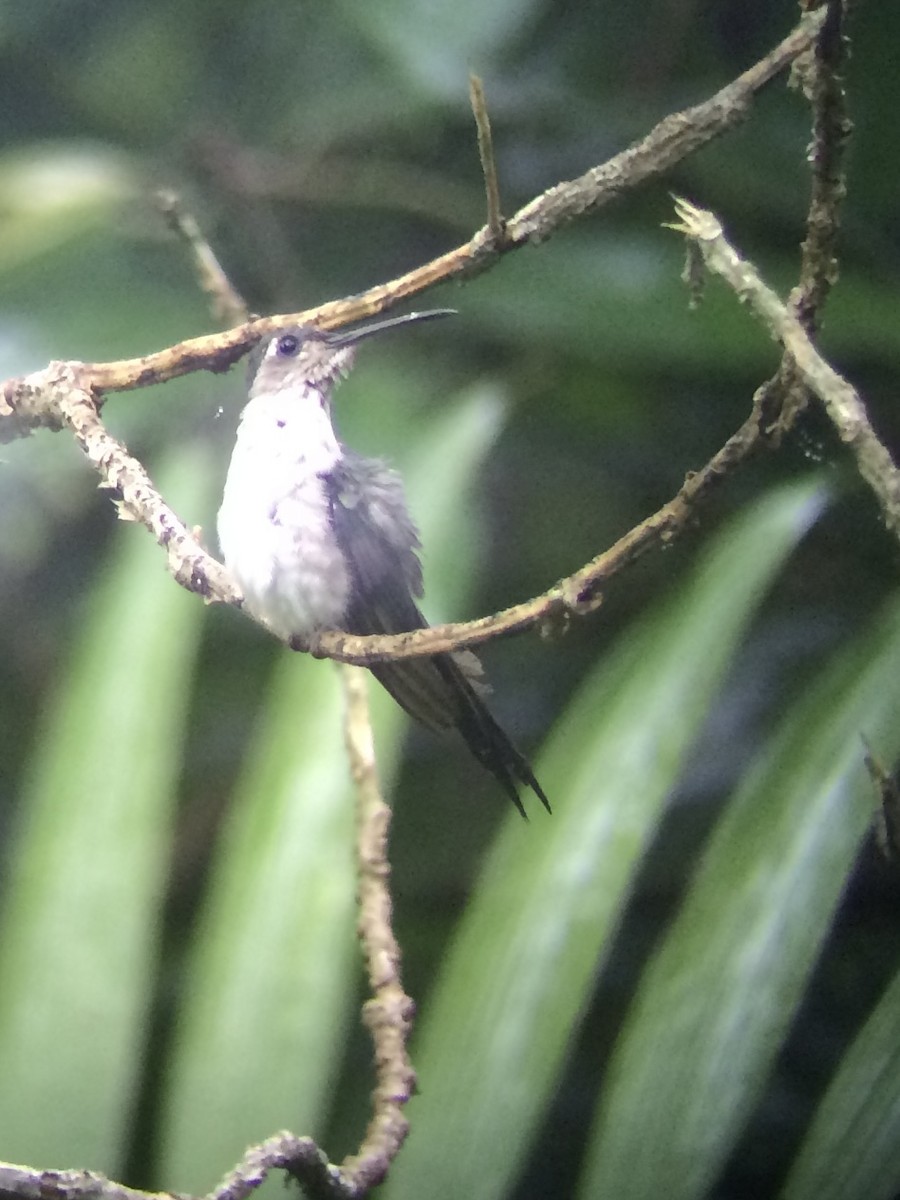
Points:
[[287, 345]]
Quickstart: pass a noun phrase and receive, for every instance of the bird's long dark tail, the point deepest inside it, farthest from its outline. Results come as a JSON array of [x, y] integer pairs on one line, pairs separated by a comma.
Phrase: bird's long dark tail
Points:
[[438, 691]]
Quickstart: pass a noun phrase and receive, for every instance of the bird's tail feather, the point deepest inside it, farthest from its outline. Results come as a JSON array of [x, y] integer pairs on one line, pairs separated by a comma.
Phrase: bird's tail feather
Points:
[[436, 691]]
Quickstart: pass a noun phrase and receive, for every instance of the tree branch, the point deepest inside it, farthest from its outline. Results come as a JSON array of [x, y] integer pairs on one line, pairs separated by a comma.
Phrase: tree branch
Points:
[[818, 73], [388, 1015], [578, 594], [495, 223], [226, 302], [26, 1183], [67, 394], [672, 140], [841, 401]]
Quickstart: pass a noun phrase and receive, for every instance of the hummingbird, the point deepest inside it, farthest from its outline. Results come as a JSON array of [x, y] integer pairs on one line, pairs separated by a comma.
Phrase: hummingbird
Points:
[[318, 537]]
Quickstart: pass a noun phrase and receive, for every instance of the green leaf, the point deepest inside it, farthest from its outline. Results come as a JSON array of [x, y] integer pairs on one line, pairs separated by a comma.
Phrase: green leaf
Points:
[[273, 972], [716, 1002], [55, 193], [513, 987], [78, 940], [853, 1146]]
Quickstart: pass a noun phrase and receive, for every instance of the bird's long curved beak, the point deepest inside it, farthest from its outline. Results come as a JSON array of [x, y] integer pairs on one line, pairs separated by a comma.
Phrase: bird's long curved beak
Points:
[[347, 337]]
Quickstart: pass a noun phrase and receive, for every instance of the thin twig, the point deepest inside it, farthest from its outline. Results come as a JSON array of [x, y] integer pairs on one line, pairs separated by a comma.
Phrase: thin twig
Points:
[[818, 72], [227, 304], [495, 221], [388, 1015], [830, 134], [841, 401]]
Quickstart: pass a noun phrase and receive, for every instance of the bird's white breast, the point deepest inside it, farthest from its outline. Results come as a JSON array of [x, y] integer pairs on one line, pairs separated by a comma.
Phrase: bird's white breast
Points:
[[275, 523]]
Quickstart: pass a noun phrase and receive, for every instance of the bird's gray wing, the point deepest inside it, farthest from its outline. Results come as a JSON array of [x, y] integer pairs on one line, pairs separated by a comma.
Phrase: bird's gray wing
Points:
[[380, 543]]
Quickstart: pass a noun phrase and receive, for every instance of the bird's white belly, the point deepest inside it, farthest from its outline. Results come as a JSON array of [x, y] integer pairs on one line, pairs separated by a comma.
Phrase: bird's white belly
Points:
[[283, 554]]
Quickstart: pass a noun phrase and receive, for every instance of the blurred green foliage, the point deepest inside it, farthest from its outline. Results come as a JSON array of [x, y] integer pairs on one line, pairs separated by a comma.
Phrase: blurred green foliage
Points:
[[325, 148]]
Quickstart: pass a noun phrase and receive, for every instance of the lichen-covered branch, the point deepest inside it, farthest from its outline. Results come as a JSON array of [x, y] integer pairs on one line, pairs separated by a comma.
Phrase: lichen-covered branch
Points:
[[842, 403], [388, 1014], [67, 393], [818, 71]]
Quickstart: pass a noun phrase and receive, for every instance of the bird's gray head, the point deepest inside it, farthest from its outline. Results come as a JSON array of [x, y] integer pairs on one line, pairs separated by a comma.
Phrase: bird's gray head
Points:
[[301, 356], [305, 356]]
